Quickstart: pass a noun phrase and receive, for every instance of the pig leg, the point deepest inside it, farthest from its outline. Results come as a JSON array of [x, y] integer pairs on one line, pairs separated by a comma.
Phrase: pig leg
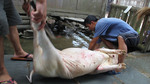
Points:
[[121, 53], [30, 77], [111, 51], [106, 68]]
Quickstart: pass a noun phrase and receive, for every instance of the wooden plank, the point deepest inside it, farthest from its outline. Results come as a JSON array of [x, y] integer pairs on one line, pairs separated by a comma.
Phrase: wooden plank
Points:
[[118, 12], [137, 25], [132, 18], [144, 36], [25, 17], [124, 16], [25, 22], [134, 22], [23, 27], [120, 6], [121, 9], [147, 45], [112, 11], [143, 28], [147, 30]]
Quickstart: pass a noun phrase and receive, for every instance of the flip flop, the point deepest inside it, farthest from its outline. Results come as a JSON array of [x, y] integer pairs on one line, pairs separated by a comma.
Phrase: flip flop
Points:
[[11, 81], [112, 72], [25, 58]]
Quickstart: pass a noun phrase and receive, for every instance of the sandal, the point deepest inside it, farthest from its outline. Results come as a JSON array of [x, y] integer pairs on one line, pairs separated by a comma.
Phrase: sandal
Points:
[[25, 58], [11, 81]]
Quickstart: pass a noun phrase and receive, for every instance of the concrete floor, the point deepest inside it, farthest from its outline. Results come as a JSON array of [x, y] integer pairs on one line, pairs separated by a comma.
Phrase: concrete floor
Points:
[[137, 72]]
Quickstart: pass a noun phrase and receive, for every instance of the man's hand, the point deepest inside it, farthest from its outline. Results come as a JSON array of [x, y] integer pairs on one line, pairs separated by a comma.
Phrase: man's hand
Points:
[[26, 6], [93, 45], [40, 14]]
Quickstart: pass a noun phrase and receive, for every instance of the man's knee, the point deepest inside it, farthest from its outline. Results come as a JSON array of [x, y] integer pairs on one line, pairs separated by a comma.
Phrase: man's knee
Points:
[[120, 37]]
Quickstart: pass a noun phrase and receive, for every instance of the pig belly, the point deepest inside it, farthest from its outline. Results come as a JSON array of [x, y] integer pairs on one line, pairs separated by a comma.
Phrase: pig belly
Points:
[[81, 61]]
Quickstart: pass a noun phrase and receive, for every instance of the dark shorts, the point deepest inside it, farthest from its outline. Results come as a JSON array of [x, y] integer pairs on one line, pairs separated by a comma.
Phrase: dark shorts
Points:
[[131, 40], [8, 16]]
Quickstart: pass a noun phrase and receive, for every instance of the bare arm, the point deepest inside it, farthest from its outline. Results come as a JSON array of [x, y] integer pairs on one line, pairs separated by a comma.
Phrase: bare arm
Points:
[[121, 44], [26, 6], [40, 14], [93, 44], [97, 46]]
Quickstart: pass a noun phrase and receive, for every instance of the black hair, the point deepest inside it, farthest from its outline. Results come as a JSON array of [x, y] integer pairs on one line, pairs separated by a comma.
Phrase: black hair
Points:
[[90, 18]]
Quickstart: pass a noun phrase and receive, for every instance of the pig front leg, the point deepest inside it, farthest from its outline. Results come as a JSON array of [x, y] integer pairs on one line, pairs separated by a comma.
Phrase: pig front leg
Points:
[[111, 51], [121, 53], [105, 68]]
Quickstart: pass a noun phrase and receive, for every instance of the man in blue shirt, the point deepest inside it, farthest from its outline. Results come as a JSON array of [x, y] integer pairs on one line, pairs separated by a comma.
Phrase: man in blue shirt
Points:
[[113, 32]]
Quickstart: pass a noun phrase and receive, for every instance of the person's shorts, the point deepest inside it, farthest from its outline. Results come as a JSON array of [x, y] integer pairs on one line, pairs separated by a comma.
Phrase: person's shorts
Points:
[[8, 16], [131, 40]]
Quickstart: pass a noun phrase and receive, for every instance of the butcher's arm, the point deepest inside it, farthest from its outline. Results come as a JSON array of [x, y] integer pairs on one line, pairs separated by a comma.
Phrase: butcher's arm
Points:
[[93, 44], [97, 46]]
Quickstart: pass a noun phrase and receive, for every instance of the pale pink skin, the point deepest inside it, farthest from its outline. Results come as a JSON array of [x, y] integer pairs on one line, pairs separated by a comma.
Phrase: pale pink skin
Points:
[[71, 62]]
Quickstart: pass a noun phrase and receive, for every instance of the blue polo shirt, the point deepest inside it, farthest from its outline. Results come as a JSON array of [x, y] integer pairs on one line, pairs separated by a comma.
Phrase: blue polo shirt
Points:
[[110, 28]]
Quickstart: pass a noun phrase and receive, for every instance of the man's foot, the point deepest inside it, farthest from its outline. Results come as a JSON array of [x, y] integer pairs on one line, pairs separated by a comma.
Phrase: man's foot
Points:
[[10, 81], [27, 57], [5, 77], [23, 54]]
